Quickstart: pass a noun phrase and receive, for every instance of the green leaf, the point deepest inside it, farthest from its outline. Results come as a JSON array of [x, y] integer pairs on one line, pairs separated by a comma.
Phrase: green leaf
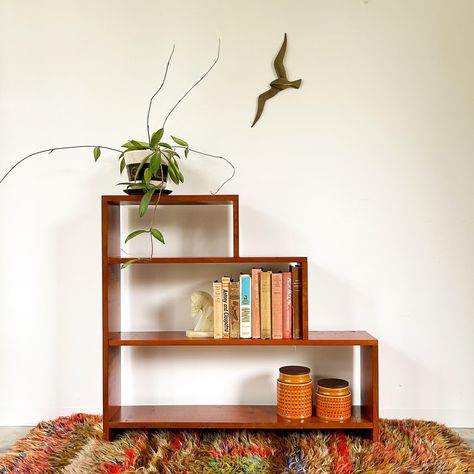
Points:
[[96, 153], [134, 234], [165, 145], [142, 163], [143, 145], [155, 162], [147, 176], [122, 165], [179, 141], [136, 145], [158, 235], [129, 146], [128, 262], [156, 137], [172, 175], [145, 201], [175, 163]]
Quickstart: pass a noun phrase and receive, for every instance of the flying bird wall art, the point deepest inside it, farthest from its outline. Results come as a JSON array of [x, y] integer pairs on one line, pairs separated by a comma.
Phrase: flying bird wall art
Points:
[[279, 84]]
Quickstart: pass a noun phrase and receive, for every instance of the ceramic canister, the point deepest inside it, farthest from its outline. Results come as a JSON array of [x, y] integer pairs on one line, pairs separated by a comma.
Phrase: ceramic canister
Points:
[[294, 392], [333, 399]]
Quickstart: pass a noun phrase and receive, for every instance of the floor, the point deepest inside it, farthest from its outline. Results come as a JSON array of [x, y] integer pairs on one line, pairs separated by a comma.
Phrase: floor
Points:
[[9, 434]]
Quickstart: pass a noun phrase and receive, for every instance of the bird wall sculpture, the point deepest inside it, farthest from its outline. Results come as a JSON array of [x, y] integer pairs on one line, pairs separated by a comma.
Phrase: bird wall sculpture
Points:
[[279, 84]]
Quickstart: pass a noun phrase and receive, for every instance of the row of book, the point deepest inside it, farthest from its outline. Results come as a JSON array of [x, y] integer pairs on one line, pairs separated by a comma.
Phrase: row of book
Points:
[[261, 304]]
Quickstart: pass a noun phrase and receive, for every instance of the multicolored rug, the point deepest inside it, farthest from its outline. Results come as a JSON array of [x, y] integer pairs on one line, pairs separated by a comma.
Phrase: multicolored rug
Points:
[[73, 445]]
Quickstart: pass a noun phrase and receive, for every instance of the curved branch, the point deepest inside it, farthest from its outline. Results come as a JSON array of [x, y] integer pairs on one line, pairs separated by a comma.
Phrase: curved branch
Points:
[[153, 96], [50, 150], [196, 83]]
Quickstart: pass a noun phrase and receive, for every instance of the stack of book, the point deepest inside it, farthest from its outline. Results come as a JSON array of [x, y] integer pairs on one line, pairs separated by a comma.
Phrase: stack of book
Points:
[[261, 304]]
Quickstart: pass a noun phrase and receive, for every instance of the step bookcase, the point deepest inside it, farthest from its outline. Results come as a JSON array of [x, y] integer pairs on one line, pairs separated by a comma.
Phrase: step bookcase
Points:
[[118, 417]]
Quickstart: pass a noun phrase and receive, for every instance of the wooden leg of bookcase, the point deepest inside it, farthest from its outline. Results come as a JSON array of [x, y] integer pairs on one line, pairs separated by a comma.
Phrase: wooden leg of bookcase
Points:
[[369, 368], [107, 435]]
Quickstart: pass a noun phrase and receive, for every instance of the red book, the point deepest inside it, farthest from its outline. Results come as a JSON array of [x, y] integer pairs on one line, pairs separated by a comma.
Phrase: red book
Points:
[[256, 303], [277, 306], [287, 306]]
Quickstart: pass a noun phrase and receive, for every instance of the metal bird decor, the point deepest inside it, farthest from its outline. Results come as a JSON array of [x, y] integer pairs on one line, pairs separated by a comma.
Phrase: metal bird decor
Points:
[[277, 85]]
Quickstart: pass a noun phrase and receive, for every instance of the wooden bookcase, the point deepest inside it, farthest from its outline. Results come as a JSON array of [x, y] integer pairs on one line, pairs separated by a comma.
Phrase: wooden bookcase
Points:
[[118, 417]]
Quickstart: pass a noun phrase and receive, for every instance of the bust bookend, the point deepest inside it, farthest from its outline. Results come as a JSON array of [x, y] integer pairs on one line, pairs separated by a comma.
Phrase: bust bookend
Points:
[[202, 307]]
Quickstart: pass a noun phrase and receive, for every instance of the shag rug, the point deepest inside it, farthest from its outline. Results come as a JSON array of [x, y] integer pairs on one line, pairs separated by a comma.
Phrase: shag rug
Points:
[[73, 445]]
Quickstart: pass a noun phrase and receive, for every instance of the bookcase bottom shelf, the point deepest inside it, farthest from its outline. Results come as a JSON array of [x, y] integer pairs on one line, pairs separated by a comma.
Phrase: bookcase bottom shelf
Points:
[[224, 416]]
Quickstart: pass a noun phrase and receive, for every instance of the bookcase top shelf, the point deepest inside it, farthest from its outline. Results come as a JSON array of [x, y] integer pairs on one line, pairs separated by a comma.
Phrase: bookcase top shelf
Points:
[[178, 338], [175, 199]]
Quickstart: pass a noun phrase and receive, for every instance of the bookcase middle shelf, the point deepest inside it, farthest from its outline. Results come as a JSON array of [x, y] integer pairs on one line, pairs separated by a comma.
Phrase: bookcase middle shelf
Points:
[[268, 260], [178, 338]]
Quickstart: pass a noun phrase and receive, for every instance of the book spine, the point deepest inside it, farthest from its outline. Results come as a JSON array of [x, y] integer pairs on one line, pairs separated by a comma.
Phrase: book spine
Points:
[[266, 304], [286, 306], [234, 303], [245, 306], [277, 309], [256, 302], [217, 287], [296, 300], [225, 308]]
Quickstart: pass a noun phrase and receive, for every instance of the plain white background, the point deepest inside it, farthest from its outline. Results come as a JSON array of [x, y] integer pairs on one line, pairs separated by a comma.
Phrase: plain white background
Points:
[[367, 170]]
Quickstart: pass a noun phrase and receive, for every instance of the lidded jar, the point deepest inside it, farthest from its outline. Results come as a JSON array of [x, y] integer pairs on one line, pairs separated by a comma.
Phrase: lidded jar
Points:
[[294, 392], [333, 400]]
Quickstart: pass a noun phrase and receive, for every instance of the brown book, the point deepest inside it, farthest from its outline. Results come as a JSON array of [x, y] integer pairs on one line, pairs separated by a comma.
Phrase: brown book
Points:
[[297, 303], [234, 304], [266, 304], [277, 310]]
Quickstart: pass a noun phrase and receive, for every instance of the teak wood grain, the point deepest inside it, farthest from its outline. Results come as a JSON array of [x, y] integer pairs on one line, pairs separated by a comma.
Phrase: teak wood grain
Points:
[[178, 338], [111, 315], [197, 260], [224, 416], [176, 199], [117, 417]]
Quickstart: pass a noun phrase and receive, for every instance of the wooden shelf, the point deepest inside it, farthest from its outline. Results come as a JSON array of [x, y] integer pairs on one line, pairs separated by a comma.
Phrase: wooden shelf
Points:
[[175, 199], [224, 416], [178, 338], [145, 260]]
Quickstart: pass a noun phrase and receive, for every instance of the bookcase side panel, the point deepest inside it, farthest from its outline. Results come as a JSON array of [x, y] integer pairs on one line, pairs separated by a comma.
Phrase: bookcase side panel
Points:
[[111, 282], [370, 386], [235, 221]]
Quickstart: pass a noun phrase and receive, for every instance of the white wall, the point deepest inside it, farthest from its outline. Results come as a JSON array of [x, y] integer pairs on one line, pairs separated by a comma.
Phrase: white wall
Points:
[[367, 170]]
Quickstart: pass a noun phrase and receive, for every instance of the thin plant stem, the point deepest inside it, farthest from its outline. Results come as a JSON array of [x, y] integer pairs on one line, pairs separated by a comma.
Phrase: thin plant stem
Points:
[[50, 150], [195, 84], [153, 96]]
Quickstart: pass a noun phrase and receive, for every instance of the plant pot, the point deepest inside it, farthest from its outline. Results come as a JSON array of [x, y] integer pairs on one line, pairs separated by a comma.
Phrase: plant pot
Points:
[[133, 160]]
